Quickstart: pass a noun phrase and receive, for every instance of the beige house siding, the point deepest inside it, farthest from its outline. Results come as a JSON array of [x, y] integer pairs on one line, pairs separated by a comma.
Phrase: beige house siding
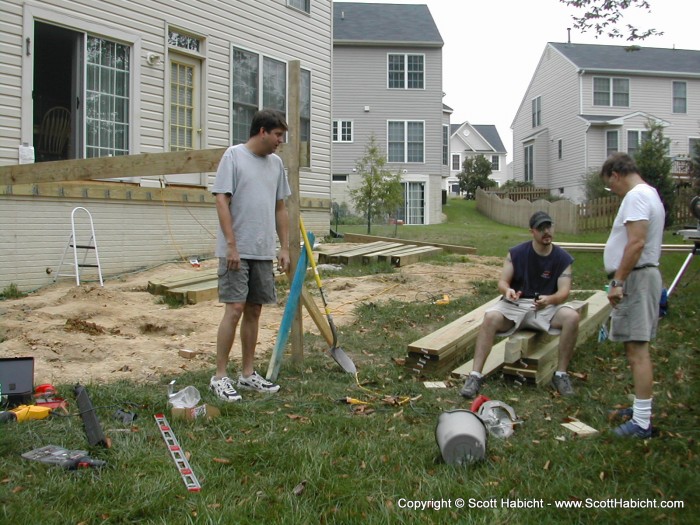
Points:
[[141, 237]]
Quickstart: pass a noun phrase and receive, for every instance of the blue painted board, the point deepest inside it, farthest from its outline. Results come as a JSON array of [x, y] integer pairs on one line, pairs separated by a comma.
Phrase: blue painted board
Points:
[[273, 369]]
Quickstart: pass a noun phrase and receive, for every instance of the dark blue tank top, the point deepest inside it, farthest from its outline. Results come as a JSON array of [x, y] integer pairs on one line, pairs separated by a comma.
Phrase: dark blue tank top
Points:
[[535, 274]]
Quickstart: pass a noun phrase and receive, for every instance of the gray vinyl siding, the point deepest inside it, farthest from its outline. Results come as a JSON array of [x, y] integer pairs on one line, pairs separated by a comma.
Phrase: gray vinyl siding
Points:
[[359, 80]]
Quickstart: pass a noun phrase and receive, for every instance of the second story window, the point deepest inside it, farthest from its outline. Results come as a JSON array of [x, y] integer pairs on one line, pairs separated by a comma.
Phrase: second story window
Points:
[[536, 112], [495, 163], [680, 100], [611, 91], [456, 162], [342, 131], [406, 141], [405, 71]]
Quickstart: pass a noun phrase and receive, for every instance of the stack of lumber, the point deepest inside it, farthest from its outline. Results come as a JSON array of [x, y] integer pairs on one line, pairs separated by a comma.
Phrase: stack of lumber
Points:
[[190, 288], [437, 353], [531, 356], [394, 253]]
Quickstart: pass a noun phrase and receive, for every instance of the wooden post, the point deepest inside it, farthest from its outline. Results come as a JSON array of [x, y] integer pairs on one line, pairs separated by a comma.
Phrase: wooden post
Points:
[[294, 138]]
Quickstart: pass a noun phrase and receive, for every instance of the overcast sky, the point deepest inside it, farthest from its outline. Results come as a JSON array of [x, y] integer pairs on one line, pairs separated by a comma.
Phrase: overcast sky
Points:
[[492, 48]]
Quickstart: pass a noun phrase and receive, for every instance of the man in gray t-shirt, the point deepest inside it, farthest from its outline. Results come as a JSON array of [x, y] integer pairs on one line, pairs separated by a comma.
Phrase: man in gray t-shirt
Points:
[[250, 189]]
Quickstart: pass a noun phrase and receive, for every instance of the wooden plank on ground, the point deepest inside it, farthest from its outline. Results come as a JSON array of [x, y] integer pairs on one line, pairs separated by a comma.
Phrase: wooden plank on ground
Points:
[[194, 293], [406, 258], [159, 286], [326, 251], [373, 257], [367, 248], [449, 248], [356, 258]]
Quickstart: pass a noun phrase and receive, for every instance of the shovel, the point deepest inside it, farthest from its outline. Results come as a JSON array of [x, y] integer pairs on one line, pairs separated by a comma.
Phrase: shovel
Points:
[[336, 352]]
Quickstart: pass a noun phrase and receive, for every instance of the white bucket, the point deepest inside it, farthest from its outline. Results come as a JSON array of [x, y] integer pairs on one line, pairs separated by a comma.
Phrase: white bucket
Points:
[[461, 436]]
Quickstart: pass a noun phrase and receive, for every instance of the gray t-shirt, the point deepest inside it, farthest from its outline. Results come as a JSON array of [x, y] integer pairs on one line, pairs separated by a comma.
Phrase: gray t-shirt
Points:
[[255, 185]]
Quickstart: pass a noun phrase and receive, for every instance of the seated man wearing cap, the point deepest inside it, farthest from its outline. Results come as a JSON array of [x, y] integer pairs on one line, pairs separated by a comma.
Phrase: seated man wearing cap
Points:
[[535, 282]]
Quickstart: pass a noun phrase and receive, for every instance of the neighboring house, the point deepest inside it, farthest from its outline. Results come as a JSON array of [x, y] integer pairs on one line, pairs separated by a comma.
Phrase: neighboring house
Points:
[[471, 140], [387, 82], [147, 77], [586, 101]]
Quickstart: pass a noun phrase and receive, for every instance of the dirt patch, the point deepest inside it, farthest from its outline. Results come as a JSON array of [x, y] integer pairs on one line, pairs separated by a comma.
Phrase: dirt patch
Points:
[[121, 331]]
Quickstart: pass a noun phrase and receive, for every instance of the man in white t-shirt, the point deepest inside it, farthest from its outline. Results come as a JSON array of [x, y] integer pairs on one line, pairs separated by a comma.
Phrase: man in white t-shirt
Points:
[[631, 259], [250, 189]]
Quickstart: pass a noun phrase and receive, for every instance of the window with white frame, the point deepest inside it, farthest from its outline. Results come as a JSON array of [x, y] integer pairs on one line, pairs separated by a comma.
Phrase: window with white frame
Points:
[[340, 177], [635, 139], [609, 91], [406, 141], [693, 146], [302, 5], [445, 144], [529, 163], [258, 82], [536, 112], [456, 162], [342, 131], [413, 209], [405, 71], [495, 163], [612, 142], [680, 101]]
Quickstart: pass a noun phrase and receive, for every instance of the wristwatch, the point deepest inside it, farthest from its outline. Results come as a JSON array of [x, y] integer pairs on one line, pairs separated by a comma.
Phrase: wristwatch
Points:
[[616, 284]]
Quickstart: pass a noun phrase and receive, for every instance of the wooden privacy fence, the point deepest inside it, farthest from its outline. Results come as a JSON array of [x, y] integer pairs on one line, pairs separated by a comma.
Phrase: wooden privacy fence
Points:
[[593, 215], [518, 194]]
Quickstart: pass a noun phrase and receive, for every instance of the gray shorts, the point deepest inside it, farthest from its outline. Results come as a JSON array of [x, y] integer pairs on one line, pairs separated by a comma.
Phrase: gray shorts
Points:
[[523, 314], [637, 315], [253, 283]]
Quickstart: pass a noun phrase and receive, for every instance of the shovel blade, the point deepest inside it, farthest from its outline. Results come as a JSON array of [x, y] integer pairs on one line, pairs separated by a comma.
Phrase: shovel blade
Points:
[[340, 357]]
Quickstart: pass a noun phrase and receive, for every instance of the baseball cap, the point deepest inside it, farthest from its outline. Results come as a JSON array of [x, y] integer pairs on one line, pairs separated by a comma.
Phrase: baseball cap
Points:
[[538, 218]]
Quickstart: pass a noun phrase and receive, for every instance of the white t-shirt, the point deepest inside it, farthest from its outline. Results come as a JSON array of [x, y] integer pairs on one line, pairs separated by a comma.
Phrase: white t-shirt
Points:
[[255, 184], [641, 203]]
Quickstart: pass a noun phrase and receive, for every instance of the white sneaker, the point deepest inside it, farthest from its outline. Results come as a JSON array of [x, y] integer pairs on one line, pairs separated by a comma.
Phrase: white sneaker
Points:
[[258, 383], [223, 388]]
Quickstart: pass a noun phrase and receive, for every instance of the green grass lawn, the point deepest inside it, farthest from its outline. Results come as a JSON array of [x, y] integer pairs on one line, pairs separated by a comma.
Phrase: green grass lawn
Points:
[[301, 456]]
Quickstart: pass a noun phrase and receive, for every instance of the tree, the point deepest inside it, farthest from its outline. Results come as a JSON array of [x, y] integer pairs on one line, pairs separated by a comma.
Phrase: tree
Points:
[[380, 192], [655, 166], [475, 174], [593, 184], [603, 16], [695, 166]]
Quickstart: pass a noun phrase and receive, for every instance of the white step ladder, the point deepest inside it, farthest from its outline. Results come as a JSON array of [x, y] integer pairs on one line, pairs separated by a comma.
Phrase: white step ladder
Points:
[[73, 243]]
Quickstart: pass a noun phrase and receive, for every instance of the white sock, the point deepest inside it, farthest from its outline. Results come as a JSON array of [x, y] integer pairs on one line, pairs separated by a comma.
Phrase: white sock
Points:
[[476, 374], [559, 373], [642, 412]]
